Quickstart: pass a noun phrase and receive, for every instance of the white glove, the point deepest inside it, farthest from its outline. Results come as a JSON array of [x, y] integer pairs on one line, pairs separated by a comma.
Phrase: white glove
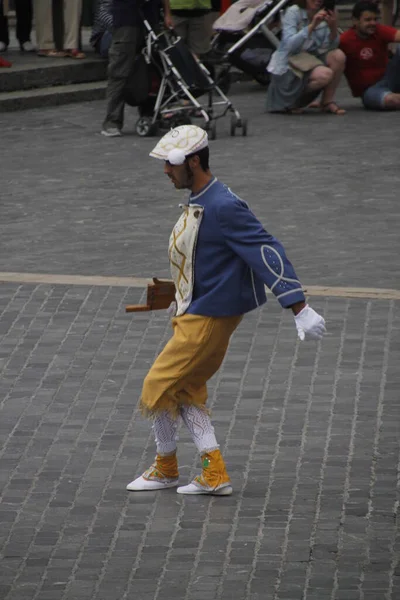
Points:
[[310, 325]]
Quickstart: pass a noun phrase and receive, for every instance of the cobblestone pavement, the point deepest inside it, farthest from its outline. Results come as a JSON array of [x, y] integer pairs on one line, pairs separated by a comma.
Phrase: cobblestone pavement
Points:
[[310, 432]]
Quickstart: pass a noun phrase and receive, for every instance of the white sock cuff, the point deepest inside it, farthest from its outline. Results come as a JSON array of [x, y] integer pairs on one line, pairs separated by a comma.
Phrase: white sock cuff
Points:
[[165, 433], [199, 424]]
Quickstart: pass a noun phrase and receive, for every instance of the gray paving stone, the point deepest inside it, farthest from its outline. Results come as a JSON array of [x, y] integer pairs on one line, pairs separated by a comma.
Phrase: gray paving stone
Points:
[[310, 432]]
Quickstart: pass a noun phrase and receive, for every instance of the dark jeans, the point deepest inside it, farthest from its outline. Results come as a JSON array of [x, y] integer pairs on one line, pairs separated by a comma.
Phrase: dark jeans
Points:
[[23, 10], [125, 43], [374, 96]]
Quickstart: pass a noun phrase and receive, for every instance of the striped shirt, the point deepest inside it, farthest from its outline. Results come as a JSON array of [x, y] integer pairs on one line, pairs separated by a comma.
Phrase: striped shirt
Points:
[[103, 21]]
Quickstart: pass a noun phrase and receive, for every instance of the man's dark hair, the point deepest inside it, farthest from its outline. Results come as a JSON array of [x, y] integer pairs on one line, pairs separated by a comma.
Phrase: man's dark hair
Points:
[[364, 6], [204, 157]]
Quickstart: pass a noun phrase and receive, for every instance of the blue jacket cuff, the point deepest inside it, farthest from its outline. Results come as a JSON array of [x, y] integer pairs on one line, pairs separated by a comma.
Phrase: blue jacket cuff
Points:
[[288, 298]]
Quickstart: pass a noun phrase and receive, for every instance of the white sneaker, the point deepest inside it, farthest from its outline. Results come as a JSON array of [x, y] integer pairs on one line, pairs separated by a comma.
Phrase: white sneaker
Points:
[[152, 479], [111, 132], [195, 487], [142, 485], [3, 46], [27, 47]]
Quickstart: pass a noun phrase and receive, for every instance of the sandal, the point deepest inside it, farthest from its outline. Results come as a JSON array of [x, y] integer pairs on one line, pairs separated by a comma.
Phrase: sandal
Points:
[[75, 54], [333, 110], [294, 111], [51, 53]]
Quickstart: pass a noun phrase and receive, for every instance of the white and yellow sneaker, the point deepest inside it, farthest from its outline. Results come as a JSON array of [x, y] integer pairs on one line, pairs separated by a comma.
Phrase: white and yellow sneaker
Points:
[[213, 480], [162, 474]]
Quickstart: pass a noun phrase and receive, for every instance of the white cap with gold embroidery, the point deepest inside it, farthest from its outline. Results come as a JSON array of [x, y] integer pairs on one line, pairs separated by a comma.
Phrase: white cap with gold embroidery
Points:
[[179, 143]]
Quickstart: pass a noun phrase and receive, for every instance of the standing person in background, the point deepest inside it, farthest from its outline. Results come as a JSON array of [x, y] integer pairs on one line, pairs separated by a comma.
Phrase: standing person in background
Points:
[[193, 20], [101, 37], [24, 16], [128, 35], [72, 13], [4, 37]]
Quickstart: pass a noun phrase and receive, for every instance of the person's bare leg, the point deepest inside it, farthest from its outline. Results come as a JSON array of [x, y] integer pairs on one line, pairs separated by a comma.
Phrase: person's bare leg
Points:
[[319, 79], [336, 61], [315, 104], [392, 102]]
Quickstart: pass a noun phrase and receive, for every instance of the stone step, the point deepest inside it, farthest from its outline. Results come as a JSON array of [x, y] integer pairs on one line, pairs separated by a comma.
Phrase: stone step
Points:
[[52, 96], [345, 21], [32, 72]]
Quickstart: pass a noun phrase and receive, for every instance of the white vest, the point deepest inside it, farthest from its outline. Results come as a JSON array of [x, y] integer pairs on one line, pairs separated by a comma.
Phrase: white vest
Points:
[[182, 248]]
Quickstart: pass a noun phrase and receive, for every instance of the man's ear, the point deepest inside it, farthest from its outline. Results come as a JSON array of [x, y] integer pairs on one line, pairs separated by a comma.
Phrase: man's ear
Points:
[[194, 161]]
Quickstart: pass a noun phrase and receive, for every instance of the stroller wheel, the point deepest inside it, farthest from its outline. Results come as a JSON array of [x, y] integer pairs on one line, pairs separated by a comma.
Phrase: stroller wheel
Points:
[[144, 127]]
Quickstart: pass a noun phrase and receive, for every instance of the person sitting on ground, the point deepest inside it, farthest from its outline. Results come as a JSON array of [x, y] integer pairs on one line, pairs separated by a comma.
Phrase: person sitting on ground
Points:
[[309, 29], [24, 15], [44, 29], [102, 28], [369, 72]]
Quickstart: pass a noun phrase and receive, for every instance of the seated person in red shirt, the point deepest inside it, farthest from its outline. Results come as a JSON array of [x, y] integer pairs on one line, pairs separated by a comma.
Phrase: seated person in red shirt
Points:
[[369, 72]]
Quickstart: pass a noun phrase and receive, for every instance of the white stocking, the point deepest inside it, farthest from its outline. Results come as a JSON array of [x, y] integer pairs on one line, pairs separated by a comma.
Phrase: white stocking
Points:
[[199, 424], [165, 428]]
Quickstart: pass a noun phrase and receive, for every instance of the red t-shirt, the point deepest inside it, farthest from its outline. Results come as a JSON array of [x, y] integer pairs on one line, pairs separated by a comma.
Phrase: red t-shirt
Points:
[[366, 58]]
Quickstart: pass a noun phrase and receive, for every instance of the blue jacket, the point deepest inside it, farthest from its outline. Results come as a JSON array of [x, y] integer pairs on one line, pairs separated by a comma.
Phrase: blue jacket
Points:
[[235, 257]]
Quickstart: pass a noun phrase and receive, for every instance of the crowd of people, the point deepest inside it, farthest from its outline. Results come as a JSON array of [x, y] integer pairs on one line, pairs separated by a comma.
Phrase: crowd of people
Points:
[[308, 64], [42, 12], [313, 55], [305, 70]]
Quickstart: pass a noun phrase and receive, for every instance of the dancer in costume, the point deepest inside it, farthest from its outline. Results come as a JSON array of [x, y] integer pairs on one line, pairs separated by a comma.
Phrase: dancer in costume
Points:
[[221, 259]]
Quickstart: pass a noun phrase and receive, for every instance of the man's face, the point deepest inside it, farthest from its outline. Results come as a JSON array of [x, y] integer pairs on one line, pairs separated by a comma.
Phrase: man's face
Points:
[[366, 24], [180, 175]]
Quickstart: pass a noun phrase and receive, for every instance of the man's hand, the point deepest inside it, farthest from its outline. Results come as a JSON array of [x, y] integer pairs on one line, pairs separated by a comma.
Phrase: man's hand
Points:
[[168, 22], [310, 325]]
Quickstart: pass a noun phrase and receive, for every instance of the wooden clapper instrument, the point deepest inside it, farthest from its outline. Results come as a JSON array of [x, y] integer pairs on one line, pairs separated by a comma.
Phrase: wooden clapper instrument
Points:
[[160, 294]]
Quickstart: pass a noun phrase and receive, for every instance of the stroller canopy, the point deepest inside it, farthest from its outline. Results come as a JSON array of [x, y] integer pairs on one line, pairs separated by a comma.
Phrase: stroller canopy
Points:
[[239, 15]]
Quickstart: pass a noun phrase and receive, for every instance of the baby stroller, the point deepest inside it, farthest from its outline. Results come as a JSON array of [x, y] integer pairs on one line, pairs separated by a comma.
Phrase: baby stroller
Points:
[[167, 83], [247, 34]]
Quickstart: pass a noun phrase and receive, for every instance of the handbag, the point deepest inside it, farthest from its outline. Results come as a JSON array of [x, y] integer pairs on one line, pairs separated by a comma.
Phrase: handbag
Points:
[[304, 61]]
